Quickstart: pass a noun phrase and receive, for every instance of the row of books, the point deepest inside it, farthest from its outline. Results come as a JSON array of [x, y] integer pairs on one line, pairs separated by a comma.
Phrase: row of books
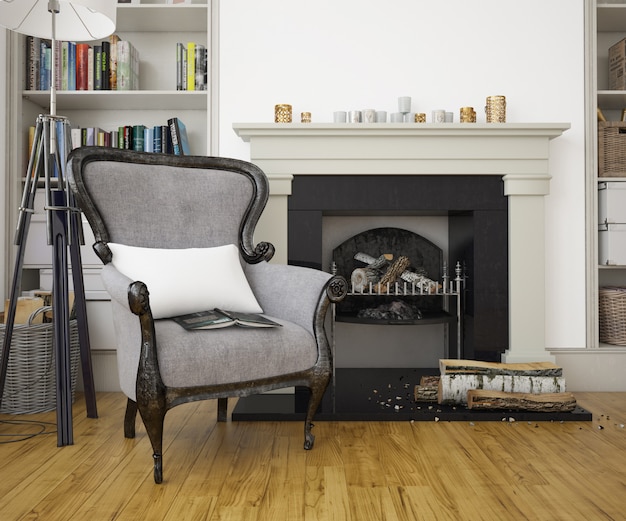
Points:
[[112, 64], [167, 139], [191, 66]]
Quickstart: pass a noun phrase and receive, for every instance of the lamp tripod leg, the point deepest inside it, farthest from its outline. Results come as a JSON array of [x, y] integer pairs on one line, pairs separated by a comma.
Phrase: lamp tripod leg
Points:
[[35, 168]]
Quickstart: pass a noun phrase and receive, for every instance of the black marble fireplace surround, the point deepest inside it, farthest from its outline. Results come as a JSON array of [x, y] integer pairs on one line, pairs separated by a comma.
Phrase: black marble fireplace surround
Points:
[[477, 219]]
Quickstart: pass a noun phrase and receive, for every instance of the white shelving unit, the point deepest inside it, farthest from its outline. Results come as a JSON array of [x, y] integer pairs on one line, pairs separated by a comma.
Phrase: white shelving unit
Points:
[[154, 28], [610, 28]]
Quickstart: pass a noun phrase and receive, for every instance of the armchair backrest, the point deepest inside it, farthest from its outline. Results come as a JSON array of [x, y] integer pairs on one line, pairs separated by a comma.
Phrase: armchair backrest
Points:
[[167, 201]]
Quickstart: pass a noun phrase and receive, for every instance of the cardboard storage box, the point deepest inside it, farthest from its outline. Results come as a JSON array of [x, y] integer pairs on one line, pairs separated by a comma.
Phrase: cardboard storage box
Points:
[[612, 244], [617, 66], [612, 202]]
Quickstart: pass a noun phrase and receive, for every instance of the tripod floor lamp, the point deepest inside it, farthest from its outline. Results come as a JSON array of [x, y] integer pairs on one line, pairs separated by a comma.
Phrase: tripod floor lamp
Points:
[[73, 20]]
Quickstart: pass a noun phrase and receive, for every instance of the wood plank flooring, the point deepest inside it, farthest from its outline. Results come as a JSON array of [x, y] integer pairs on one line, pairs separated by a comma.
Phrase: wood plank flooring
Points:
[[357, 471]]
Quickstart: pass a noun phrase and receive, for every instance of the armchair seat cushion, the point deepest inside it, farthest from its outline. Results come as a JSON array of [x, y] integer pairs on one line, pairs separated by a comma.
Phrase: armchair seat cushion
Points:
[[233, 354]]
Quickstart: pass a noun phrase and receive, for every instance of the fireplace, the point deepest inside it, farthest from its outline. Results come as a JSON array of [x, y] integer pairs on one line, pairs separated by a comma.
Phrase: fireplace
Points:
[[487, 180], [513, 156]]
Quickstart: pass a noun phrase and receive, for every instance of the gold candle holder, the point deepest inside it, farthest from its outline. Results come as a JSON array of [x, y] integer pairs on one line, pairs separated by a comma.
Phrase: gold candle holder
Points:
[[468, 115], [495, 109], [420, 117], [305, 117], [282, 113]]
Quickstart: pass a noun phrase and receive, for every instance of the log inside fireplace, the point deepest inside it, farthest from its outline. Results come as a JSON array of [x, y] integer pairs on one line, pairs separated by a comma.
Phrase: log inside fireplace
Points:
[[398, 277]]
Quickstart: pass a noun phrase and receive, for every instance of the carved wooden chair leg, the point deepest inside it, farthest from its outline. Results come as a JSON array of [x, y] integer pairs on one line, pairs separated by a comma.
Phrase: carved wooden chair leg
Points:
[[222, 409], [317, 393], [153, 419], [129, 419]]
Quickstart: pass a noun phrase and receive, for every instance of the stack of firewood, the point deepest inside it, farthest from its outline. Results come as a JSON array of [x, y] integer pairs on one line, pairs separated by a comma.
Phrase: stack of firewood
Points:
[[381, 273], [538, 386]]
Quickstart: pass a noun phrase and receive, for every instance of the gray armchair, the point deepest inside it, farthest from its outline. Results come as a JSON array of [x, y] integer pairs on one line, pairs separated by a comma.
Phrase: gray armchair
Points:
[[158, 222]]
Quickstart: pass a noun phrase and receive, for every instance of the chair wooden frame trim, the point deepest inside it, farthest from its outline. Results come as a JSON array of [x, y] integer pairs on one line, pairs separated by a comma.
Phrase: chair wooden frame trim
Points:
[[154, 398]]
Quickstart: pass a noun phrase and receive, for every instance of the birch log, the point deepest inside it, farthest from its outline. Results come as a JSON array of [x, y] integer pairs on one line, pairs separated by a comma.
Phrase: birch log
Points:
[[453, 388], [546, 402], [493, 368]]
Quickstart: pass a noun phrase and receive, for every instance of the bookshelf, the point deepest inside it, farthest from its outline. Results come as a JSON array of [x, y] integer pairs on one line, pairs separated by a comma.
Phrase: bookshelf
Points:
[[606, 26], [154, 28]]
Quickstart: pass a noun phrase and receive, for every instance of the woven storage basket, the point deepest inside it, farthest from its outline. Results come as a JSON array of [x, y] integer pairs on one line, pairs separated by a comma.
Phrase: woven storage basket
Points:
[[612, 315], [30, 385], [612, 149]]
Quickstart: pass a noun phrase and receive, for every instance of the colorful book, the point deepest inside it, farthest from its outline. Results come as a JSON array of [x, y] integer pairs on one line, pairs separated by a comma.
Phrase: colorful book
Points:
[[191, 66], [105, 64], [178, 133], [201, 65], [82, 66], [123, 65], [97, 67], [180, 50], [33, 62], [113, 39], [71, 65]]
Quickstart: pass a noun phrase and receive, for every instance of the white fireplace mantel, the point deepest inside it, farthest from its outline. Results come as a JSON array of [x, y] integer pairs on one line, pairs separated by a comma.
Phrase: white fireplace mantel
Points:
[[518, 152]]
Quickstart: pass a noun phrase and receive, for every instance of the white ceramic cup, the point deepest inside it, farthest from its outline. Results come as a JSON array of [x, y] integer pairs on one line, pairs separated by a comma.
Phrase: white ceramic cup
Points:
[[339, 116], [381, 116], [354, 116], [404, 104], [439, 116], [397, 117], [369, 116]]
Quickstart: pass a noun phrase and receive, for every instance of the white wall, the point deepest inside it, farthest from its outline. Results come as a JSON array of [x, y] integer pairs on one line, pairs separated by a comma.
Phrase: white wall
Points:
[[352, 54]]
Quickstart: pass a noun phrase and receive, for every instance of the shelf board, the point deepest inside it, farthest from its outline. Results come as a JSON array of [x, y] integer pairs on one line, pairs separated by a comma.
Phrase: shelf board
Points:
[[162, 18], [120, 100], [612, 99], [611, 17]]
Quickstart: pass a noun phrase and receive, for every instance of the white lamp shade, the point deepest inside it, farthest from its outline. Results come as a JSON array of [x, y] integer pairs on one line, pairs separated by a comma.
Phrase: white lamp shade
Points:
[[77, 20]]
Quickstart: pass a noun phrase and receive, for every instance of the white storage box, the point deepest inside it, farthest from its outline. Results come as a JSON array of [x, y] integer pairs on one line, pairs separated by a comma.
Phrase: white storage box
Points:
[[612, 202], [612, 244]]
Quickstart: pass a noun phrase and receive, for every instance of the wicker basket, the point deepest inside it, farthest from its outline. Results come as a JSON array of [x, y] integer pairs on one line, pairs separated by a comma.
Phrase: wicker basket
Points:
[[611, 149], [612, 319], [30, 385]]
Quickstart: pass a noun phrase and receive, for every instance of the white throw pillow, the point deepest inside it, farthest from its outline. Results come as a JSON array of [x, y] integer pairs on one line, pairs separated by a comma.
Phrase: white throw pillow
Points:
[[184, 281]]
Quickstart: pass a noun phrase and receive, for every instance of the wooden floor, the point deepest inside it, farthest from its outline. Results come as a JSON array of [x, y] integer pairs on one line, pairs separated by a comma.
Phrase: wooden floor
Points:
[[357, 471]]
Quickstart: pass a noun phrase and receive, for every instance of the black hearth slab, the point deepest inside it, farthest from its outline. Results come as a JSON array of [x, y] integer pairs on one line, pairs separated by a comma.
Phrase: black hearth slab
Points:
[[276, 407], [382, 395]]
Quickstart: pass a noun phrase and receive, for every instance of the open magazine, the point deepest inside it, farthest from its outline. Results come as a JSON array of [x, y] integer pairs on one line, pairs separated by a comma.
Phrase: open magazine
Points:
[[216, 318]]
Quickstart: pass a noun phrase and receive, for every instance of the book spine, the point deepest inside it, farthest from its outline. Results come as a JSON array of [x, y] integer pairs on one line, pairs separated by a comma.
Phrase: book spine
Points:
[[65, 66], [82, 66], [113, 39], [105, 65], [71, 65], [97, 67], [173, 131], [123, 65], [45, 57], [90, 66], [120, 137], [157, 139], [33, 62], [200, 67], [138, 138], [134, 62], [191, 66], [76, 134], [179, 65], [58, 65], [148, 139]]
